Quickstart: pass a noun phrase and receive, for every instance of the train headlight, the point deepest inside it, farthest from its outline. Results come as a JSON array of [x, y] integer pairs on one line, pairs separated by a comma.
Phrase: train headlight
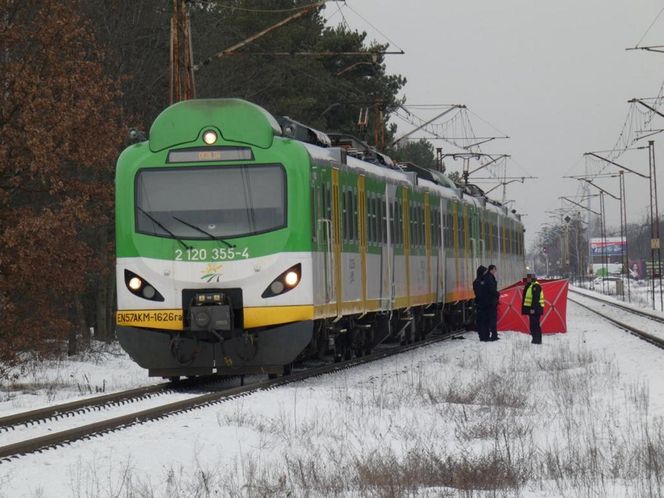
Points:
[[149, 292], [283, 283], [139, 287], [291, 279], [210, 137], [135, 283]]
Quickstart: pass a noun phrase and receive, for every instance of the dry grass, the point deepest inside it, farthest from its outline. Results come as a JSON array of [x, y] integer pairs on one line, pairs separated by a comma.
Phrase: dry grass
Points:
[[558, 420]]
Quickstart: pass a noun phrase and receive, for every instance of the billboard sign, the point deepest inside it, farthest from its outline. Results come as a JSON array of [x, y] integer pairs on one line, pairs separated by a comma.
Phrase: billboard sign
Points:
[[609, 246]]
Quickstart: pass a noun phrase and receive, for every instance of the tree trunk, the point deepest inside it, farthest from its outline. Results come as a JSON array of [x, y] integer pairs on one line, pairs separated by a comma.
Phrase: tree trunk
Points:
[[111, 305], [101, 304], [84, 329]]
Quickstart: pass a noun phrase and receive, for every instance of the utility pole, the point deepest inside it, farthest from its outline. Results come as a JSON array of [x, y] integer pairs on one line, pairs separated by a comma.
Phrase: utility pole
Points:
[[655, 254], [655, 250], [576, 235], [605, 262], [182, 85]]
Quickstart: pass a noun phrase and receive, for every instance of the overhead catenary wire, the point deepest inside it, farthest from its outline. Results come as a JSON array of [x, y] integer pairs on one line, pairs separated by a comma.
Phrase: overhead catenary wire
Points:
[[374, 27], [650, 27], [270, 11]]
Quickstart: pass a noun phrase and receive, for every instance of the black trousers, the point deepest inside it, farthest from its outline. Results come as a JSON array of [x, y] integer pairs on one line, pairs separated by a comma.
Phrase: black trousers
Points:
[[482, 324], [492, 319], [535, 329]]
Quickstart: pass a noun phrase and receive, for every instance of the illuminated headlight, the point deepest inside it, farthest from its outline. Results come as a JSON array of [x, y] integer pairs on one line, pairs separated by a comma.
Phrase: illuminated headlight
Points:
[[291, 279], [284, 282], [135, 283], [210, 137]]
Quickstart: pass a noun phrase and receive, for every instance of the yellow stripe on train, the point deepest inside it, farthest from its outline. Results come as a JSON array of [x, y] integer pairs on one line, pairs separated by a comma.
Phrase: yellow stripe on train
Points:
[[253, 317], [153, 319]]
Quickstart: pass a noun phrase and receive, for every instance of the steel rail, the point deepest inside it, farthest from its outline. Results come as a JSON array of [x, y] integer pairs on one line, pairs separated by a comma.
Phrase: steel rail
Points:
[[643, 313], [97, 428], [40, 414], [645, 336], [66, 409]]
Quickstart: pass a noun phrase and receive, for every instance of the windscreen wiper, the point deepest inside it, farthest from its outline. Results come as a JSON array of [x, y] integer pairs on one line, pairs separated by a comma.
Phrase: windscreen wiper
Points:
[[156, 222], [205, 232]]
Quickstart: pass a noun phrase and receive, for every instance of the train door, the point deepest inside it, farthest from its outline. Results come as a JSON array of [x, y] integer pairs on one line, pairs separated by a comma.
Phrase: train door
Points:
[[441, 272], [337, 296], [324, 240], [389, 256], [481, 214], [474, 238]]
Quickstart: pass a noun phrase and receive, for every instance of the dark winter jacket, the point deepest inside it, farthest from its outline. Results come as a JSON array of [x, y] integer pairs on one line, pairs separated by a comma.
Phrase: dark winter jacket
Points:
[[478, 288], [491, 289], [525, 310], [534, 298]]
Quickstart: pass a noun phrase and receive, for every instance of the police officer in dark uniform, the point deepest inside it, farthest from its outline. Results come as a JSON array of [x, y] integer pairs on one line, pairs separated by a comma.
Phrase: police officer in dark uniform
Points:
[[492, 298], [481, 304], [533, 306]]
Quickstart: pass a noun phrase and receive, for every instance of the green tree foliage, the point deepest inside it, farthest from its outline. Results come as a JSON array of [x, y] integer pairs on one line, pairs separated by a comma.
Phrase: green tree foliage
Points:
[[420, 153], [324, 91], [59, 135], [75, 74]]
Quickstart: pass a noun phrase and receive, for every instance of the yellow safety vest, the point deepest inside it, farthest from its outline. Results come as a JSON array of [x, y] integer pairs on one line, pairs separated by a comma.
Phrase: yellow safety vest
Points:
[[528, 300]]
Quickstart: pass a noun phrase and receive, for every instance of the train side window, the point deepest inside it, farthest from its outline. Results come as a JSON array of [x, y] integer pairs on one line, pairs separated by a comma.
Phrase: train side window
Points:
[[420, 225], [356, 230], [347, 220], [369, 217], [315, 212], [382, 226], [353, 216], [423, 238], [400, 227], [328, 204], [413, 221], [372, 219], [392, 214], [417, 225]]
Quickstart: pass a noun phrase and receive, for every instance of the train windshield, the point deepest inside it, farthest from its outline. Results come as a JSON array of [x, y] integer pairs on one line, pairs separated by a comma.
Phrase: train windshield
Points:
[[219, 202]]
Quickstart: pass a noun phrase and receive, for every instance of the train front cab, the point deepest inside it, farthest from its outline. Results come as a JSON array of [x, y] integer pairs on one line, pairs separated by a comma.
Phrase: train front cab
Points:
[[212, 276]]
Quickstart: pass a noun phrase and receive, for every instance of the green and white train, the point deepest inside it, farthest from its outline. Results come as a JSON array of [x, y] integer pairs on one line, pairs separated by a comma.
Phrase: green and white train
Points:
[[241, 248]]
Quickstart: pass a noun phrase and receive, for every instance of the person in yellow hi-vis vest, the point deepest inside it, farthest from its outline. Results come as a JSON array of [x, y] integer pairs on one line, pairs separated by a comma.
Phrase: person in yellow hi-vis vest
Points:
[[533, 306]]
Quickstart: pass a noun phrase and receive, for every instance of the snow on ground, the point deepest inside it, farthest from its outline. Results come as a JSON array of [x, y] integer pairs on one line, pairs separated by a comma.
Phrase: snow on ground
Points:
[[581, 415], [638, 293], [644, 324], [48, 382]]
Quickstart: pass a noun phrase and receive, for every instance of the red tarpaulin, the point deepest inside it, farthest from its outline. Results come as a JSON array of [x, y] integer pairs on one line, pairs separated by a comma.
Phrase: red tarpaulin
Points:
[[554, 319]]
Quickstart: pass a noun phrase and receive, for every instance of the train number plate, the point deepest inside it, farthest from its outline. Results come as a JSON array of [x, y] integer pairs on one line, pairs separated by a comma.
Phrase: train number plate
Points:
[[214, 254]]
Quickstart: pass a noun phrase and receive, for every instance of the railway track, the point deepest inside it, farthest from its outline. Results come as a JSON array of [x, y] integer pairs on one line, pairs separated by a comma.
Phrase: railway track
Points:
[[39, 415], [641, 334], [59, 438]]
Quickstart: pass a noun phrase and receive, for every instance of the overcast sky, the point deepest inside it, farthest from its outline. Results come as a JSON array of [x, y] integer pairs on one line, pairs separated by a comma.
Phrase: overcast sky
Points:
[[554, 76]]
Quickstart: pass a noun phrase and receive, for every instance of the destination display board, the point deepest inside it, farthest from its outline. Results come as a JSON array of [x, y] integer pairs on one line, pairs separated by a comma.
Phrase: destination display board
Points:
[[210, 155]]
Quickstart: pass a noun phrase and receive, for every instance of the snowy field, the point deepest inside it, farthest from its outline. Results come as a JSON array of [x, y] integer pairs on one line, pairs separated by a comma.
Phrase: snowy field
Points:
[[582, 415]]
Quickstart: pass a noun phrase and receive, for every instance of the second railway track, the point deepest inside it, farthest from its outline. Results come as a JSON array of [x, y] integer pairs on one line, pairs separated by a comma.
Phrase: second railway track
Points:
[[657, 340]]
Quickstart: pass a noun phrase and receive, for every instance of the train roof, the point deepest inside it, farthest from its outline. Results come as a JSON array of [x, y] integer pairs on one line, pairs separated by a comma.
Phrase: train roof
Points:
[[334, 155]]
